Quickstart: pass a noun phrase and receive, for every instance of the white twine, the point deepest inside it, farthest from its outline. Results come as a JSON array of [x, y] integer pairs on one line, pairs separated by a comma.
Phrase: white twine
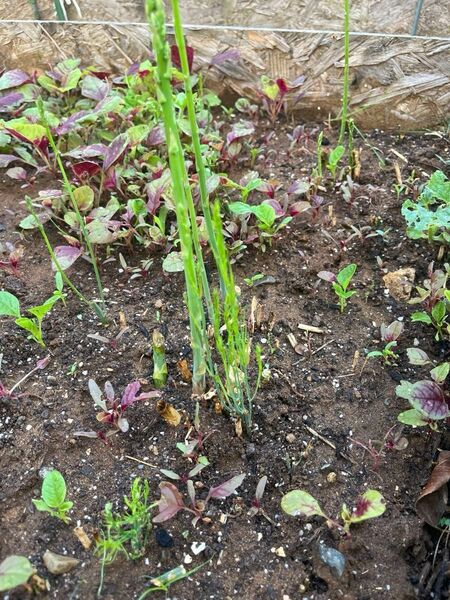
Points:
[[404, 36]]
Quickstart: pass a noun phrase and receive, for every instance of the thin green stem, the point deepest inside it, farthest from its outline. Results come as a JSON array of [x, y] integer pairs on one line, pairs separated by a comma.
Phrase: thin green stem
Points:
[[346, 71], [69, 190], [58, 267]]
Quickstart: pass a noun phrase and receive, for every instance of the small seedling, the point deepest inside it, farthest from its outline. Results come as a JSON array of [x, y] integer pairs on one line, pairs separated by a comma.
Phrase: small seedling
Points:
[[429, 399], [250, 281], [53, 496], [10, 307], [163, 582], [334, 158], [368, 506], [5, 393], [14, 571], [340, 283], [389, 335]]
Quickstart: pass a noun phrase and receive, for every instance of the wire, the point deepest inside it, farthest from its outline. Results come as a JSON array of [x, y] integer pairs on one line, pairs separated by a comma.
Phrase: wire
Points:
[[237, 28]]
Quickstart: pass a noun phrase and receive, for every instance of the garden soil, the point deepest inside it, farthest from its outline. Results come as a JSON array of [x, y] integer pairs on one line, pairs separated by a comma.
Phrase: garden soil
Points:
[[320, 396]]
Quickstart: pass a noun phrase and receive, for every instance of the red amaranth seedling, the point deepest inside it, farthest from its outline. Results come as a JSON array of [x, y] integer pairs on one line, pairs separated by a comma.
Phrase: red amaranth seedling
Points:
[[368, 506]]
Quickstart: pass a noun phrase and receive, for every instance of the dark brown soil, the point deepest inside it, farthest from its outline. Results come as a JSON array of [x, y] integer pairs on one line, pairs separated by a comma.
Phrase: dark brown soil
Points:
[[324, 387]]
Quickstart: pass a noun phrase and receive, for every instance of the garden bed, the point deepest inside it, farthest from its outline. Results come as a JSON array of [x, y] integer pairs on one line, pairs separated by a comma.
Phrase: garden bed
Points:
[[317, 398]]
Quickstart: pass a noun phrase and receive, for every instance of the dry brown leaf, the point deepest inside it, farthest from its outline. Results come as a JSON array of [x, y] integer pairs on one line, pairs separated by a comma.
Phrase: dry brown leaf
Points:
[[432, 501], [122, 320], [217, 407], [238, 428], [168, 413], [183, 369], [39, 583], [83, 537]]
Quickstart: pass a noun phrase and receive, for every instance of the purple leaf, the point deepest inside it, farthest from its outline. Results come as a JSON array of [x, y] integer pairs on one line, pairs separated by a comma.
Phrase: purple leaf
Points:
[[129, 394], [18, 173], [41, 364], [175, 54], [279, 212], [156, 136], [66, 256], [428, 398], [115, 151], [71, 122], [225, 489], [12, 79], [85, 169], [170, 502], [91, 151], [327, 276], [94, 88], [298, 187], [153, 198], [232, 55], [5, 159], [391, 332], [109, 391], [11, 99], [240, 130]]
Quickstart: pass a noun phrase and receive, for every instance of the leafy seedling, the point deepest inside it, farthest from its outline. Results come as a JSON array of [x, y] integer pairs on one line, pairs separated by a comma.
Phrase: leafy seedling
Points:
[[250, 281], [334, 158], [429, 399], [340, 283], [14, 571], [113, 408], [10, 307], [389, 335], [368, 506], [163, 582], [53, 496], [435, 299]]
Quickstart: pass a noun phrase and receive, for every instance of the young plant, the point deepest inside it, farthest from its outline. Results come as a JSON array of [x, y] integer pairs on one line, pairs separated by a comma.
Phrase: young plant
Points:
[[53, 496], [10, 307], [113, 408], [429, 399], [428, 217], [435, 299], [127, 532], [14, 571], [171, 501], [163, 582], [159, 359], [273, 94], [340, 283], [251, 281], [334, 158], [389, 335], [368, 506]]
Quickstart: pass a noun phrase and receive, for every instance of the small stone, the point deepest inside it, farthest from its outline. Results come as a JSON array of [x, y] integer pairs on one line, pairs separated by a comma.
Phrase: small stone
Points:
[[290, 438], [158, 304], [331, 477], [58, 564], [400, 283], [198, 547], [187, 559]]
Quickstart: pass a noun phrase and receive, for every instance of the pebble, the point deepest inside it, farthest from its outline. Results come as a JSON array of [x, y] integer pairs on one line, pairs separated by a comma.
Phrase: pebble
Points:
[[290, 438]]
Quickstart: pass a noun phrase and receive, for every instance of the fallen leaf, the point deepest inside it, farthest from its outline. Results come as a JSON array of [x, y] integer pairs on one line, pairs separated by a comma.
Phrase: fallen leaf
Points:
[[122, 320], [183, 369], [168, 413], [83, 537], [432, 501], [39, 583], [238, 428]]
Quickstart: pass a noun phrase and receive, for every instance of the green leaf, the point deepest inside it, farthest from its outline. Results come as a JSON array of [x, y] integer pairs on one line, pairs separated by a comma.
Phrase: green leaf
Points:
[[368, 506], [299, 503], [28, 222], [84, 197], [421, 316], [40, 311], [32, 132], [439, 186], [42, 506], [30, 326], [412, 417], [404, 390], [265, 213], [416, 356], [439, 373], [14, 570], [173, 263], [439, 311], [345, 275], [137, 133], [54, 489], [9, 305], [336, 155], [374, 354]]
